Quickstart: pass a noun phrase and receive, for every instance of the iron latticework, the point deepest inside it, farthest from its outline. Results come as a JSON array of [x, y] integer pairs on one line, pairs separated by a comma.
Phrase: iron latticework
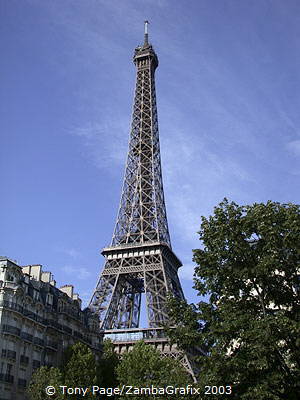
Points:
[[142, 215], [140, 258]]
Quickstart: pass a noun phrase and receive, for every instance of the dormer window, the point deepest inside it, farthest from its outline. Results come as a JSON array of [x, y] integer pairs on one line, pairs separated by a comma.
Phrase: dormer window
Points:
[[49, 299], [36, 295], [60, 306]]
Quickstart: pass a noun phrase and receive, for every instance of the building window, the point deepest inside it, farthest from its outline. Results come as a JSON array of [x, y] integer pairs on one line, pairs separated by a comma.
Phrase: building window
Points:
[[8, 369], [49, 299], [61, 306], [36, 295]]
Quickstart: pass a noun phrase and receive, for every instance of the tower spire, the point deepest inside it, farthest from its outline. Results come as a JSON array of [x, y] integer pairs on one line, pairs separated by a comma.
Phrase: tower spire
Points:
[[146, 42]]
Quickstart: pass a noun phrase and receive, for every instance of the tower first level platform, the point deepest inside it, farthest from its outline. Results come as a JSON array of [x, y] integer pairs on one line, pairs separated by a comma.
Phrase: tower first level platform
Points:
[[129, 271]]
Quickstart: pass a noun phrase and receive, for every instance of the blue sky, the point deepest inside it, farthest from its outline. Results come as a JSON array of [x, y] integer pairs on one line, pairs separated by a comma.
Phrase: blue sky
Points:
[[228, 103]]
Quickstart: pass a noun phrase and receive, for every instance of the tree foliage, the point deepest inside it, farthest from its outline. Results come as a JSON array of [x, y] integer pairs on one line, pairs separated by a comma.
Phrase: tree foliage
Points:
[[108, 365], [249, 268], [141, 367], [79, 368], [42, 378], [144, 366]]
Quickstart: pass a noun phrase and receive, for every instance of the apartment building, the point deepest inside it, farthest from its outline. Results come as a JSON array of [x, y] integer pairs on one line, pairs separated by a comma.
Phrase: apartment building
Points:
[[38, 321]]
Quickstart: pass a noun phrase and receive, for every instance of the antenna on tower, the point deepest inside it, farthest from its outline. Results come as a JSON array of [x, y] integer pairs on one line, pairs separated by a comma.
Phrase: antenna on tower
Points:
[[146, 33]]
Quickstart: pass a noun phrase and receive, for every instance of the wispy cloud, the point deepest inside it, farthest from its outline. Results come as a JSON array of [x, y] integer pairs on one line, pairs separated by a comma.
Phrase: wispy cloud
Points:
[[294, 147], [196, 172], [70, 252], [104, 143], [81, 273]]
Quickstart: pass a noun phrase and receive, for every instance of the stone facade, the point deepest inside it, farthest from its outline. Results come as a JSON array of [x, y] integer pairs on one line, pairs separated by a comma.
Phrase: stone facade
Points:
[[37, 322]]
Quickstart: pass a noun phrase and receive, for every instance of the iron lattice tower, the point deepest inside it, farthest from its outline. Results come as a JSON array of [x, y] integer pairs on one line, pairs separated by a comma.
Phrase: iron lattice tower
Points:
[[140, 258]]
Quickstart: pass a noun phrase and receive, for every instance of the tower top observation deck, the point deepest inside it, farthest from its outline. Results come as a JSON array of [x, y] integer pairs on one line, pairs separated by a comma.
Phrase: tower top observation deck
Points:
[[145, 51]]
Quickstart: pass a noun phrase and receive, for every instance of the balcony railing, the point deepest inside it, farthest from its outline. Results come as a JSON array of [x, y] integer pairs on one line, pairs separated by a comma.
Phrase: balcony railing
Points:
[[9, 354], [34, 316], [53, 324], [26, 336], [67, 329], [52, 344], [22, 310], [72, 313], [39, 341], [49, 322], [11, 285], [11, 306], [24, 360], [11, 329], [6, 378]]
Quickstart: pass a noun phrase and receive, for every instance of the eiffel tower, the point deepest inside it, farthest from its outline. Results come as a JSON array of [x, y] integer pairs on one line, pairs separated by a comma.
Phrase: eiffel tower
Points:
[[140, 259]]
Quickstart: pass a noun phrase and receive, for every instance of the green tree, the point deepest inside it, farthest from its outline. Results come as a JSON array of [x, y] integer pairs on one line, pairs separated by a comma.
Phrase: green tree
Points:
[[144, 366], [41, 379], [108, 365], [79, 368], [249, 269]]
